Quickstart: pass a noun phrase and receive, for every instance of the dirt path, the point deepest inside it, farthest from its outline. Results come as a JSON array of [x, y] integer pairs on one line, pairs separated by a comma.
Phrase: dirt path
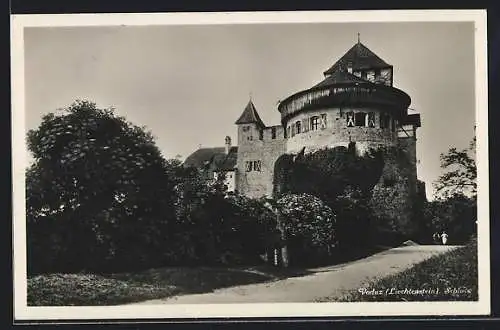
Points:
[[324, 282]]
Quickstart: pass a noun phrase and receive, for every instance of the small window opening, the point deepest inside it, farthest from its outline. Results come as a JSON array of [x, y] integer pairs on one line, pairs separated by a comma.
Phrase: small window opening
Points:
[[298, 127], [248, 166], [371, 119], [314, 123], [350, 119], [360, 118], [256, 166]]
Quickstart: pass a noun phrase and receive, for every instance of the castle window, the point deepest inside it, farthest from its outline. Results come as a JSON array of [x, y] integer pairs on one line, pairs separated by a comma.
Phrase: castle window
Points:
[[293, 130], [350, 119], [384, 121], [371, 119], [314, 123], [360, 118], [246, 128], [249, 138], [256, 165], [288, 131], [248, 166], [323, 121], [261, 134], [273, 133], [298, 127]]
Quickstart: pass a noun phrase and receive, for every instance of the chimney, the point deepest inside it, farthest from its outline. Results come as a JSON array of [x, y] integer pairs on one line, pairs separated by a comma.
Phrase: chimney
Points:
[[349, 67], [228, 144]]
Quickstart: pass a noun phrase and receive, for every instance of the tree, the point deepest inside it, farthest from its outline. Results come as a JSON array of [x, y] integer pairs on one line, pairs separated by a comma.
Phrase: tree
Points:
[[456, 215], [102, 189], [461, 174], [307, 223], [454, 209]]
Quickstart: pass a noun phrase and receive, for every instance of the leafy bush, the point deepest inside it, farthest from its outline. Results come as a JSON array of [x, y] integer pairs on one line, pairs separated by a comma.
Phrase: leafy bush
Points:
[[98, 194], [340, 178], [456, 215], [308, 225]]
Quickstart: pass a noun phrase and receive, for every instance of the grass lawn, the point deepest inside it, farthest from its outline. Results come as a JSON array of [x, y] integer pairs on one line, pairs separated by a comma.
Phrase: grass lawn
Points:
[[122, 288], [451, 277]]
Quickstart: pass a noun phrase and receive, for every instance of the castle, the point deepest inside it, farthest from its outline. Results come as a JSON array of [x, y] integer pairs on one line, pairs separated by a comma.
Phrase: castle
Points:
[[355, 102]]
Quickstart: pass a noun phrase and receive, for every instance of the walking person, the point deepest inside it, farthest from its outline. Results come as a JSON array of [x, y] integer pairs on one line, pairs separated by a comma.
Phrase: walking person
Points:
[[436, 237], [444, 237]]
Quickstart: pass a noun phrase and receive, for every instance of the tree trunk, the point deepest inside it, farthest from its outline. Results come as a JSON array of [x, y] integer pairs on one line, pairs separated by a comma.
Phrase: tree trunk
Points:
[[284, 256], [285, 260]]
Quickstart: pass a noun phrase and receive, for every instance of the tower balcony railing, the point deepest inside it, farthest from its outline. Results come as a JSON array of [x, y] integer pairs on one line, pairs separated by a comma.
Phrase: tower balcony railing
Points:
[[347, 94]]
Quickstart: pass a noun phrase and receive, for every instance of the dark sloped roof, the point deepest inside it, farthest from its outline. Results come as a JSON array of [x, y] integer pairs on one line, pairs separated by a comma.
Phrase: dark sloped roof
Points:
[[338, 77], [205, 157], [250, 115], [360, 57], [413, 119], [226, 162]]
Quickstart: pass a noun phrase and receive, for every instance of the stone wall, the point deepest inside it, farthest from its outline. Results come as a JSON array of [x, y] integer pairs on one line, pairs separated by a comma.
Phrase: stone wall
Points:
[[266, 150], [395, 194], [336, 133]]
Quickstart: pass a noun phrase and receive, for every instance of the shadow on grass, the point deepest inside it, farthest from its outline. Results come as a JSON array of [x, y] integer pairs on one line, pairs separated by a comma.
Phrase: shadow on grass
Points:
[[159, 283], [191, 280], [122, 288]]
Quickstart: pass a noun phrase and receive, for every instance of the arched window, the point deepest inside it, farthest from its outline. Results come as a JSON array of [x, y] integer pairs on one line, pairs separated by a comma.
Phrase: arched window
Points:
[[298, 127], [314, 123]]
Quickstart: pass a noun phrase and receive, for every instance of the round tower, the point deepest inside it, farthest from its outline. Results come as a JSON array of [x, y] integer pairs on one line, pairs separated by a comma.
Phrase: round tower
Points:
[[355, 102]]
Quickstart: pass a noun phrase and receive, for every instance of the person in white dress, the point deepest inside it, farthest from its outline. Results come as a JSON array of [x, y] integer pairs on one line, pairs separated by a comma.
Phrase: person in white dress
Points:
[[444, 237]]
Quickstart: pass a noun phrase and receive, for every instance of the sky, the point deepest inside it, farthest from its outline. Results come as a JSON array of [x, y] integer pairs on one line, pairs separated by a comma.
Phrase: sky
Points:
[[189, 84]]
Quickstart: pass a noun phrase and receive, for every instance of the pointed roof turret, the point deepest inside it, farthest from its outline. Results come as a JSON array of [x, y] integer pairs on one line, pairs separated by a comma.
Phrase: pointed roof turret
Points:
[[359, 57], [250, 115]]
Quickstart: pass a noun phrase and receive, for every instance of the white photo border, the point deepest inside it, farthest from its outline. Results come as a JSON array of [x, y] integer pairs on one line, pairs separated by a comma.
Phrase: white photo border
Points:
[[352, 309]]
